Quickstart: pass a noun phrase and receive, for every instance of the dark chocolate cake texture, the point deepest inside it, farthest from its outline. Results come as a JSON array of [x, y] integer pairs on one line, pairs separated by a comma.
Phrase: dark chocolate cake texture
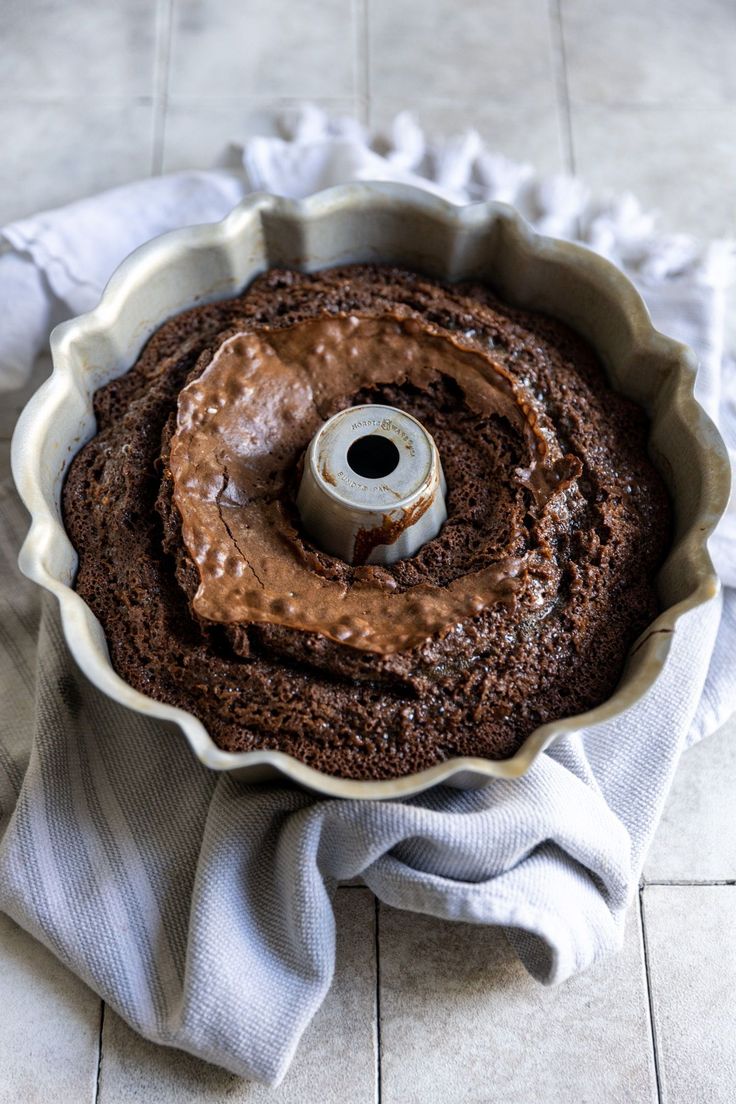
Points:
[[212, 597]]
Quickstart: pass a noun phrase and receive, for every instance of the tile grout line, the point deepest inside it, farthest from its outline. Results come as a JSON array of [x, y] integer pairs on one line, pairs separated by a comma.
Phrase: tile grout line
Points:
[[689, 882], [356, 19], [559, 61], [165, 21], [362, 58], [377, 913], [99, 1052], [650, 1000]]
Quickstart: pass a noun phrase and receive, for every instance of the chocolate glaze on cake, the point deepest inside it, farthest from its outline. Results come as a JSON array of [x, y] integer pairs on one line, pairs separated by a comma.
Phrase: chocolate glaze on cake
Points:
[[521, 610]]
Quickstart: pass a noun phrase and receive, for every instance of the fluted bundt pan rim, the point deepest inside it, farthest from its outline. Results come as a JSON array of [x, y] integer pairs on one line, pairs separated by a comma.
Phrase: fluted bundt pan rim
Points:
[[390, 223]]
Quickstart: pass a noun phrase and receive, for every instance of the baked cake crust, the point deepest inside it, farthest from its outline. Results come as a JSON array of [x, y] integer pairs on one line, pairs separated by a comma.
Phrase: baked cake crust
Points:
[[580, 561]]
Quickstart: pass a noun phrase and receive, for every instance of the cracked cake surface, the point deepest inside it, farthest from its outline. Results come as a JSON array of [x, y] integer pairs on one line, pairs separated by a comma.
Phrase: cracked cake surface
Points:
[[520, 611]]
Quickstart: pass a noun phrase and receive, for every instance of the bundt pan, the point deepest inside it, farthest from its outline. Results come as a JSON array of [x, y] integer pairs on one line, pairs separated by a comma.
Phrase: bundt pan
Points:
[[378, 223]]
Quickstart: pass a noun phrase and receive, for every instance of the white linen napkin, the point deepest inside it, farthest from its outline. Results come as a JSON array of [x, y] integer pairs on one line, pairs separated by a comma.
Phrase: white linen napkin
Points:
[[200, 908]]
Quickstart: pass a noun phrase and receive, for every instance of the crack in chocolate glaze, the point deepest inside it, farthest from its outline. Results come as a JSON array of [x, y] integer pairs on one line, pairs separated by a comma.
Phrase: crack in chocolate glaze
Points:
[[218, 500]]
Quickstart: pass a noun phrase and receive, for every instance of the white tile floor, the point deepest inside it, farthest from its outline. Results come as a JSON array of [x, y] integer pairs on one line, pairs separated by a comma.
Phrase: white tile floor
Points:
[[637, 95]]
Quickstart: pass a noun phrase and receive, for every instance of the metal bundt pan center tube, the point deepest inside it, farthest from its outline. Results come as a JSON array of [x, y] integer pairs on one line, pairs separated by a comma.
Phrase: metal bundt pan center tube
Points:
[[395, 224], [372, 472]]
